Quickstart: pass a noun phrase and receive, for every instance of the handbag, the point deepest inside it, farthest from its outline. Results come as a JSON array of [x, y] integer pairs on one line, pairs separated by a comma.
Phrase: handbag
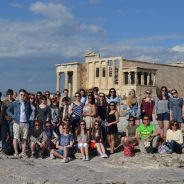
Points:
[[129, 150], [73, 118]]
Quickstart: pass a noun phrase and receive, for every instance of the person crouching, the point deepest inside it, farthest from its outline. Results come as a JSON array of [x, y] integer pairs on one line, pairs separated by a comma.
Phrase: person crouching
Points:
[[38, 140]]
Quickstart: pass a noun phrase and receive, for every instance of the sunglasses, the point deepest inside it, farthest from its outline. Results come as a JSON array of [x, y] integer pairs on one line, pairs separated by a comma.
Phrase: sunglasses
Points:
[[22, 95], [77, 96], [146, 119], [174, 124], [163, 90], [37, 125], [148, 93], [173, 92], [82, 124]]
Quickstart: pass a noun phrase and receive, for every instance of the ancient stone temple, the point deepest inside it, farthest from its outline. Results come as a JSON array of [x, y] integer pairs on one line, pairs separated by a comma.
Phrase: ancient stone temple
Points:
[[119, 73]]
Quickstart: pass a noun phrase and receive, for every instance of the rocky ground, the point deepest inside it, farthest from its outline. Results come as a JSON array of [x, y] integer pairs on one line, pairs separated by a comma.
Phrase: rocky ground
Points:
[[140, 169]]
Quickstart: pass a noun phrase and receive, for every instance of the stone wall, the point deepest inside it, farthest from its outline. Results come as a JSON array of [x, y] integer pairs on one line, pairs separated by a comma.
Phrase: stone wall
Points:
[[167, 75]]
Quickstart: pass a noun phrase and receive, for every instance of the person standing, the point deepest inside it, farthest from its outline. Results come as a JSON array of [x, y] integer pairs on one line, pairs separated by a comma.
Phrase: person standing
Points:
[[176, 107], [112, 120], [147, 105], [162, 110], [20, 111], [6, 126]]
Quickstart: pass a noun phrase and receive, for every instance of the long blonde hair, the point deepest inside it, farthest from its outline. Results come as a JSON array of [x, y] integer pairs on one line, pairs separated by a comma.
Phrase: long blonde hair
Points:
[[131, 98]]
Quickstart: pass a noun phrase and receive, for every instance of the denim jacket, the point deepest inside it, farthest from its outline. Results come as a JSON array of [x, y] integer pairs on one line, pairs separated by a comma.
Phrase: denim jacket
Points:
[[14, 111]]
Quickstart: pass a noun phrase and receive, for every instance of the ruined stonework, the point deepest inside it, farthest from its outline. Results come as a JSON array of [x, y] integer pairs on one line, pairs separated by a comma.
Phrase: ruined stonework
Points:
[[120, 73]]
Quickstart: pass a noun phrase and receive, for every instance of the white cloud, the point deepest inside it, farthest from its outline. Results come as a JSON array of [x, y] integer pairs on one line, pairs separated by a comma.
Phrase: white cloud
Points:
[[178, 48], [52, 10]]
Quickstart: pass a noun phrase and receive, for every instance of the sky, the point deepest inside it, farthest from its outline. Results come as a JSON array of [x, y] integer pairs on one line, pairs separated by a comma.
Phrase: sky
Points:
[[36, 35]]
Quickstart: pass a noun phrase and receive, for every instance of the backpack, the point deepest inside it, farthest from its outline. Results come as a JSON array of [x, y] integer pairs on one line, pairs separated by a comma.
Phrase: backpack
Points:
[[164, 149], [8, 148], [129, 150]]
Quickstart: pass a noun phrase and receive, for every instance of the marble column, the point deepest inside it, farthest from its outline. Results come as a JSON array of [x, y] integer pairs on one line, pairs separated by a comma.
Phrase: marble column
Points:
[[92, 70], [106, 74], [154, 79], [70, 83], [75, 82], [58, 77], [129, 77], [113, 73], [148, 79], [66, 80], [136, 78], [142, 78]]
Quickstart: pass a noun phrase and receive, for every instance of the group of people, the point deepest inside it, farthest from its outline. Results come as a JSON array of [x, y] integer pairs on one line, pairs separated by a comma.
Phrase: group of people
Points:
[[58, 125]]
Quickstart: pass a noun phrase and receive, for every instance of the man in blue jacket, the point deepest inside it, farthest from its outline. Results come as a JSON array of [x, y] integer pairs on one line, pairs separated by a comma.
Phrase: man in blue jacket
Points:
[[20, 111]]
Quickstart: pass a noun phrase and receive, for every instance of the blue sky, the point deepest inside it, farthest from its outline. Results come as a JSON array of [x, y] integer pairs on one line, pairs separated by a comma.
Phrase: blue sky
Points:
[[36, 35]]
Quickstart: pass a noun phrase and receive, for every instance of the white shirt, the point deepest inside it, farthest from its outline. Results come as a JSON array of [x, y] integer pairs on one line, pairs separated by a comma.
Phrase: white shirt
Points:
[[174, 135], [22, 112]]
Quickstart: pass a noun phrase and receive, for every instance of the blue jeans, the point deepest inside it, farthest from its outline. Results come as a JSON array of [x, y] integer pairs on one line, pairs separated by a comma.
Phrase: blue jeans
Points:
[[175, 147], [5, 132]]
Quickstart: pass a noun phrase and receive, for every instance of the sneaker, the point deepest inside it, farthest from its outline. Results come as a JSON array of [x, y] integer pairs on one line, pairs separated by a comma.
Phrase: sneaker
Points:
[[87, 158], [105, 156], [52, 156], [16, 155], [22, 155], [64, 160], [33, 155], [83, 158]]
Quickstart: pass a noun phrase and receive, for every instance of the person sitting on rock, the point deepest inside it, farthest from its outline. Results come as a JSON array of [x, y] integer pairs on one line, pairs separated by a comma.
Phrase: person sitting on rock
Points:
[[51, 134], [83, 139], [96, 142], [63, 145], [38, 140], [147, 136], [174, 137], [130, 131]]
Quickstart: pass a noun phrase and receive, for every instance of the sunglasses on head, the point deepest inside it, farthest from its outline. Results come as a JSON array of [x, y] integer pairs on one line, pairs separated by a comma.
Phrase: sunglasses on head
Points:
[[174, 92]]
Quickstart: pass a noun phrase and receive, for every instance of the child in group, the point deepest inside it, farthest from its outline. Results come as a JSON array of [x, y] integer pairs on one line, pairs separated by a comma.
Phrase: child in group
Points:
[[82, 139], [96, 141]]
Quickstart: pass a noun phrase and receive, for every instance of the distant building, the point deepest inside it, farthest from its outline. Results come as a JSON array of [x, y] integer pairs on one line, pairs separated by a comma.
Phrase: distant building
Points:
[[121, 74]]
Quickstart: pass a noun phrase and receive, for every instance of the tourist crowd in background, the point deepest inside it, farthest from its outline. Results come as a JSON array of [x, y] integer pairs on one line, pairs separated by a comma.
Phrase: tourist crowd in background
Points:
[[58, 125]]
